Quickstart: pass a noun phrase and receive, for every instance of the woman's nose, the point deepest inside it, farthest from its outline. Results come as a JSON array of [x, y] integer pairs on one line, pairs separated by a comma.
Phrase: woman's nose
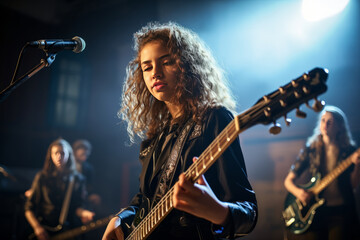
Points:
[[157, 72]]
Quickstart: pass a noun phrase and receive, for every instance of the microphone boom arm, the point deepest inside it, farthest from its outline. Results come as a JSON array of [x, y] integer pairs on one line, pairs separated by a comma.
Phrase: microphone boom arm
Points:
[[50, 57]]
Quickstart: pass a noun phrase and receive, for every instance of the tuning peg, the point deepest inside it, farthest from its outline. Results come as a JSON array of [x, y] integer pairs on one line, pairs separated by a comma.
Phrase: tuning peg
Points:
[[318, 105], [300, 114], [307, 104], [287, 120], [275, 128]]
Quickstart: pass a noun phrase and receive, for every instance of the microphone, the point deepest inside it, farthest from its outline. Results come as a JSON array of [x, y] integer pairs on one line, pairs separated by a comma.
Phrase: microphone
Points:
[[76, 44]]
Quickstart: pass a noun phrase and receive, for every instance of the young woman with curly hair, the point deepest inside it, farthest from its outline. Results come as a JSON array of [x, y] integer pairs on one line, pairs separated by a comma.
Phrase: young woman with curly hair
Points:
[[176, 100]]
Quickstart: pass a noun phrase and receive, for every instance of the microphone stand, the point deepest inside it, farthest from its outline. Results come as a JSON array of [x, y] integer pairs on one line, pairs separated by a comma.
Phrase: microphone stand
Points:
[[50, 57]]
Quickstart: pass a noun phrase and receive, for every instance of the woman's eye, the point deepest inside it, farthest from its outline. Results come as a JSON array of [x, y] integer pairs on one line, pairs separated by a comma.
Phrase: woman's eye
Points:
[[168, 62]]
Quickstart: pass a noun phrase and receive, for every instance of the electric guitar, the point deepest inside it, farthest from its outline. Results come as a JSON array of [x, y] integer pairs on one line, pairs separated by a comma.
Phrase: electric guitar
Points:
[[266, 110], [298, 217], [76, 231]]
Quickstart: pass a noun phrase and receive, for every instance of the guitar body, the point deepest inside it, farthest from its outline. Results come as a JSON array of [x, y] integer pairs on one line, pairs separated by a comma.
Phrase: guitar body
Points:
[[298, 217]]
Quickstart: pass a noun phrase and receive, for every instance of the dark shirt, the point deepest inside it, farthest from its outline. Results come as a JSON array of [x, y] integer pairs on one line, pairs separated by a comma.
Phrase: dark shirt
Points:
[[47, 198], [227, 178]]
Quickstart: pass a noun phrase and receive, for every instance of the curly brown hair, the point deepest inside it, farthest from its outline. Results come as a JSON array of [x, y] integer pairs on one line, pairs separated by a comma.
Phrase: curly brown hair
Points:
[[201, 82]]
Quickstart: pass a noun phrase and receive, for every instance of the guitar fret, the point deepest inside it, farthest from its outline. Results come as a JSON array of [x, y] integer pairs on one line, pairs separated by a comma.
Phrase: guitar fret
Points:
[[143, 227], [197, 170], [158, 209], [152, 221], [227, 136], [218, 145]]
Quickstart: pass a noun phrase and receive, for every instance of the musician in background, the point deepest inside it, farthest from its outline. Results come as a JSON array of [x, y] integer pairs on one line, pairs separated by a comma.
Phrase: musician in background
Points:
[[82, 150], [176, 95], [330, 144], [45, 203]]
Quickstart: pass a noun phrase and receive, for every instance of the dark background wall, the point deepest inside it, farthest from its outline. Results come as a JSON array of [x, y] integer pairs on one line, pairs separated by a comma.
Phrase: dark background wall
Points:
[[260, 44]]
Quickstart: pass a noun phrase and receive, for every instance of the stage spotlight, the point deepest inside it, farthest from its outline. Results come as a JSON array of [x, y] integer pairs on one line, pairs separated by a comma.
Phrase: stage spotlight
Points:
[[316, 10]]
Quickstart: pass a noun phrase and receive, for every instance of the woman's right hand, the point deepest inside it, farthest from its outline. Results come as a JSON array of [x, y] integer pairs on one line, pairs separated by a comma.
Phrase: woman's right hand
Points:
[[113, 230], [41, 233], [303, 196], [299, 193]]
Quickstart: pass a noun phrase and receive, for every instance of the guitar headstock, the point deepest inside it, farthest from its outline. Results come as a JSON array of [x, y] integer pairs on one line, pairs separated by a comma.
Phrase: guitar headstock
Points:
[[288, 97]]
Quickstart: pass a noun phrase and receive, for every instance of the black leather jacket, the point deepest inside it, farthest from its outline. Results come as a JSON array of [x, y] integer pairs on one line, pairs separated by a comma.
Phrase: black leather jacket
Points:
[[227, 178]]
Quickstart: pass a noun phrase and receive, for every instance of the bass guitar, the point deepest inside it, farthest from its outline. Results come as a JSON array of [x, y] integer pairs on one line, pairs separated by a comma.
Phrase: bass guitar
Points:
[[69, 234], [266, 110], [298, 217]]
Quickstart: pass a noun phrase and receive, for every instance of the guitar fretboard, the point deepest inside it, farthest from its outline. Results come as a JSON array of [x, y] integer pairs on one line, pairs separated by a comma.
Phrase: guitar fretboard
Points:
[[332, 175]]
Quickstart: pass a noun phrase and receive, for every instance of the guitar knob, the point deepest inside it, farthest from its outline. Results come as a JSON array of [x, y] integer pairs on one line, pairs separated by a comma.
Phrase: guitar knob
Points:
[[300, 114], [318, 106], [275, 129], [287, 120]]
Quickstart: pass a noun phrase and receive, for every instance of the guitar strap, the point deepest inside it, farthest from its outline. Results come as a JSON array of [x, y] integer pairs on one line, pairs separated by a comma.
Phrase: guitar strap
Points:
[[66, 203], [169, 169]]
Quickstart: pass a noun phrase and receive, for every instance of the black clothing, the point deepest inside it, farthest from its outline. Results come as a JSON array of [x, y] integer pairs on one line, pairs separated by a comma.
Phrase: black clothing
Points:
[[227, 178], [88, 171], [47, 198]]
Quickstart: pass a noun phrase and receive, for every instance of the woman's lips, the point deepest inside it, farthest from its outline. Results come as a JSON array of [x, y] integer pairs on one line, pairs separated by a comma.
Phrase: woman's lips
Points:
[[159, 85]]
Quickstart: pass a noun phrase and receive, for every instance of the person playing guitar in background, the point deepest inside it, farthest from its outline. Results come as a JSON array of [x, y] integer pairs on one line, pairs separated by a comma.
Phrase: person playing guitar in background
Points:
[[176, 96], [56, 183], [329, 145]]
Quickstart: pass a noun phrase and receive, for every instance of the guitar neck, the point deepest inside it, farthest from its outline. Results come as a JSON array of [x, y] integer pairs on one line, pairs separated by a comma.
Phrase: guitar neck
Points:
[[81, 230], [332, 175]]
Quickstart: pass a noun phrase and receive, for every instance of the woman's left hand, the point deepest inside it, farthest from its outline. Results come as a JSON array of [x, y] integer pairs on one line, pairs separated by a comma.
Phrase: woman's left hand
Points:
[[198, 199], [355, 158], [86, 216]]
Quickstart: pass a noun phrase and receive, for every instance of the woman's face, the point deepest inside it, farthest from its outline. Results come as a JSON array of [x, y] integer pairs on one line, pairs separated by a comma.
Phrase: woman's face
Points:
[[159, 70], [328, 125], [81, 154], [59, 156]]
